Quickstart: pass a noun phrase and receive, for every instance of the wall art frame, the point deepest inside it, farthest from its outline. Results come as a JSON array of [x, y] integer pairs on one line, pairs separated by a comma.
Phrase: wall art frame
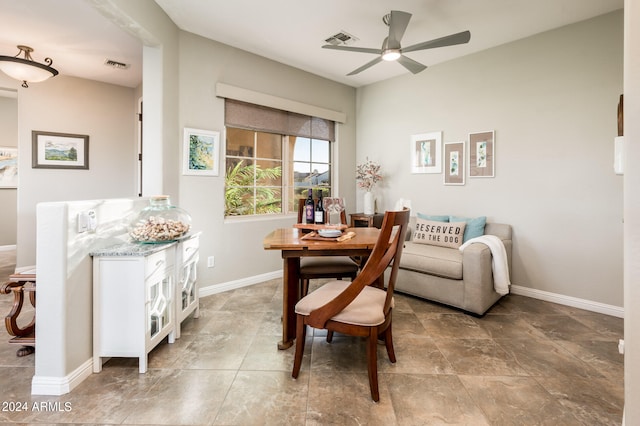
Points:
[[482, 148], [454, 163], [426, 152], [53, 150], [201, 152], [8, 167]]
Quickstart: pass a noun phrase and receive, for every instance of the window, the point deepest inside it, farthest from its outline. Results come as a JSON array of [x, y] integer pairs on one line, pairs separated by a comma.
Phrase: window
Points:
[[311, 167], [267, 173], [273, 158]]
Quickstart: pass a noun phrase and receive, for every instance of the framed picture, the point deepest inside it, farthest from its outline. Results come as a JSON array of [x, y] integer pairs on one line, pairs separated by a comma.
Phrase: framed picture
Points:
[[8, 167], [454, 163], [426, 153], [482, 154], [59, 150], [201, 152]]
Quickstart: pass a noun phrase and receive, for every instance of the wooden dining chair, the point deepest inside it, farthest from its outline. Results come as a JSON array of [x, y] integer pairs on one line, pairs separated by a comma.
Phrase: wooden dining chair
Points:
[[318, 267], [358, 308]]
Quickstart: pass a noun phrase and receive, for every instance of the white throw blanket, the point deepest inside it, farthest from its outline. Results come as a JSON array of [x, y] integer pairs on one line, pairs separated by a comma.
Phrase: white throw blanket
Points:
[[499, 263]]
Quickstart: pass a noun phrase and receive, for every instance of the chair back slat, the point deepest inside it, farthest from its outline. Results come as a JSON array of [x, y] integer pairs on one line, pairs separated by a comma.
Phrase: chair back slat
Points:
[[388, 249]]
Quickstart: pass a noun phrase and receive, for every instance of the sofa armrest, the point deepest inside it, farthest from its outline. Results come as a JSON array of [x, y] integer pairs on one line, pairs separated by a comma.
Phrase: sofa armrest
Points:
[[476, 263], [477, 278]]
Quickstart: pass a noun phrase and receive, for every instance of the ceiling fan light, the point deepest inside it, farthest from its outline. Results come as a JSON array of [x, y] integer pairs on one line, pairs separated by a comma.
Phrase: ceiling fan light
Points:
[[391, 55], [26, 69]]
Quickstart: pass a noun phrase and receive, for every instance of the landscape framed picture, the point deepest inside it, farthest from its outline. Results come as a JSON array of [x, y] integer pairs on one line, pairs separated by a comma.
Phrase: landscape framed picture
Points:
[[426, 153], [482, 154], [8, 167], [201, 152], [59, 150], [454, 163]]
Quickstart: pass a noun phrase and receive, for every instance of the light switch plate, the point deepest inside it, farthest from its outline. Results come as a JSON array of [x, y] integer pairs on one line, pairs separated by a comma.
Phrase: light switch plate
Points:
[[87, 221]]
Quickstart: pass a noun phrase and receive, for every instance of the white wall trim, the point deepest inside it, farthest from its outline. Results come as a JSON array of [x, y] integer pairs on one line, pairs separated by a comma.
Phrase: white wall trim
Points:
[[235, 284], [245, 95], [47, 385], [561, 299], [8, 248]]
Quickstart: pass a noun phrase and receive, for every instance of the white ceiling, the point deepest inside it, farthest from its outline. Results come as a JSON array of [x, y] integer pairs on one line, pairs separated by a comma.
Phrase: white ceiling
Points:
[[79, 39], [72, 33]]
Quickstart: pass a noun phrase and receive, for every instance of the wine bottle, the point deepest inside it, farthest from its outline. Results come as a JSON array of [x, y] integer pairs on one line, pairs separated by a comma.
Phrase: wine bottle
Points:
[[319, 214], [308, 207]]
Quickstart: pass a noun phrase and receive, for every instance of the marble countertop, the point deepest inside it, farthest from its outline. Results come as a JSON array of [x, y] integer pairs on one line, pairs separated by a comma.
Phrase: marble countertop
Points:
[[131, 249]]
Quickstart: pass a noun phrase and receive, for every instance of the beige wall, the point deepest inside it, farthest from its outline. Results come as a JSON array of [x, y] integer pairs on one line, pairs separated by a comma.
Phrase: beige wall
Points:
[[552, 101], [71, 105], [237, 245], [8, 196]]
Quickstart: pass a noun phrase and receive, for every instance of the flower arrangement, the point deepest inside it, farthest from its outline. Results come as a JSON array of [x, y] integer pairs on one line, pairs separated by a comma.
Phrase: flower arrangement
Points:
[[368, 174]]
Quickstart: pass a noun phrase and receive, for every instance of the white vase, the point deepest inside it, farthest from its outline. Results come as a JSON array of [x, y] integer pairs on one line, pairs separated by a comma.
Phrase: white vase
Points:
[[368, 203]]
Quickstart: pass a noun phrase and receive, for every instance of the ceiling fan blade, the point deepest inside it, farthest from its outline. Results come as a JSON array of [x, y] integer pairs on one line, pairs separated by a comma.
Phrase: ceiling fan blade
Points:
[[449, 40], [411, 65], [365, 66], [398, 22], [353, 49]]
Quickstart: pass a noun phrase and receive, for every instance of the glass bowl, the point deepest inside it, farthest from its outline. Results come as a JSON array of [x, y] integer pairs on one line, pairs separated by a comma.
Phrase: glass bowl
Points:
[[160, 222]]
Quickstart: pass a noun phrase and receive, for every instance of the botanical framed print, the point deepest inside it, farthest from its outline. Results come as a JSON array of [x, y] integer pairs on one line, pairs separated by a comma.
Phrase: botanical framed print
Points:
[[52, 150], [454, 160], [426, 153], [201, 152], [482, 148], [8, 167]]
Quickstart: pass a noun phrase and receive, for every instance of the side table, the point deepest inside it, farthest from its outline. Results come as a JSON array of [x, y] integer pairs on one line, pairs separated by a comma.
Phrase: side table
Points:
[[21, 284], [366, 220]]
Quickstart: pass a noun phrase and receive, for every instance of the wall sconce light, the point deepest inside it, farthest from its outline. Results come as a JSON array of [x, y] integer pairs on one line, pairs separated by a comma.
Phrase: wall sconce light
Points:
[[26, 69]]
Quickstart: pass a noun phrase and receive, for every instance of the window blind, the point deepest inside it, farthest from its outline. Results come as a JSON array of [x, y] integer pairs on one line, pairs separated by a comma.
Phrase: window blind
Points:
[[264, 119]]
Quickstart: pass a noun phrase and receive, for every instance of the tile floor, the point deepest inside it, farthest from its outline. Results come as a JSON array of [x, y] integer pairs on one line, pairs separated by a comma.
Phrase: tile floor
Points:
[[526, 362]]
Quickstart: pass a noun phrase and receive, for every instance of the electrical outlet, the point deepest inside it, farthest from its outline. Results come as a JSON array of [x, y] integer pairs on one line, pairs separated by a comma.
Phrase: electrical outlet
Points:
[[211, 262]]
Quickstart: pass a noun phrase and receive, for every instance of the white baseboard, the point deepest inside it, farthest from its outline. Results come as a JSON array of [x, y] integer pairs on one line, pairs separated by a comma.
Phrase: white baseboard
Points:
[[47, 385], [587, 305], [560, 299], [244, 282], [8, 248]]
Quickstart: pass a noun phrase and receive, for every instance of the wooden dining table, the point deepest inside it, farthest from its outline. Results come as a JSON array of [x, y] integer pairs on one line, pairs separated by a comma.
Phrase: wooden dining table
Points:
[[294, 244]]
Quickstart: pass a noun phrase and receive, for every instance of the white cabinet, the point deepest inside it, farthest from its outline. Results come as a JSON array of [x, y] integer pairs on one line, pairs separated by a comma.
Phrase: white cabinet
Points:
[[187, 299], [133, 301]]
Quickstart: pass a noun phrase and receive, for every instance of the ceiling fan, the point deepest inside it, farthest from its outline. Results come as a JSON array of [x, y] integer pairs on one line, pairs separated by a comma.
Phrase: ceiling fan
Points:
[[391, 50]]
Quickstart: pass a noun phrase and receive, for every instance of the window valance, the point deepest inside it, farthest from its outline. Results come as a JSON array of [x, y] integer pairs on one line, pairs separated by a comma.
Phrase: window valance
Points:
[[265, 119]]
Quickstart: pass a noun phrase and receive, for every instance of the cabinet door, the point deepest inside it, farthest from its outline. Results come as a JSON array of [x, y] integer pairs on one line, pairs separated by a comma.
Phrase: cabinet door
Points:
[[159, 314], [188, 285], [187, 279], [159, 286]]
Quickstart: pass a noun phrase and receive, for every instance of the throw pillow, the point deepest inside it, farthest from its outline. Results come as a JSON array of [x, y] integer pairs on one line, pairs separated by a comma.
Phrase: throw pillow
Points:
[[438, 233], [474, 228], [441, 218]]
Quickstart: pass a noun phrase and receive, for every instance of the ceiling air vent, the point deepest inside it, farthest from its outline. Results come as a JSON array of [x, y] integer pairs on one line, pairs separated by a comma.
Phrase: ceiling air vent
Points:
[[115, 64], [340, 39]]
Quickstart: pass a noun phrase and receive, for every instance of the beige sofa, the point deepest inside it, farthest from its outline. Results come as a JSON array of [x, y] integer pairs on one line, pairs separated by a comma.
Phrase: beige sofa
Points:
[[446, 275]]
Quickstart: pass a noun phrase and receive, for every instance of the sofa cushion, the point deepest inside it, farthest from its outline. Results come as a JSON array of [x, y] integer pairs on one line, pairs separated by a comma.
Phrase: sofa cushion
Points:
[[438, 233], [437, 218], [475, 225], [434, 260]]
